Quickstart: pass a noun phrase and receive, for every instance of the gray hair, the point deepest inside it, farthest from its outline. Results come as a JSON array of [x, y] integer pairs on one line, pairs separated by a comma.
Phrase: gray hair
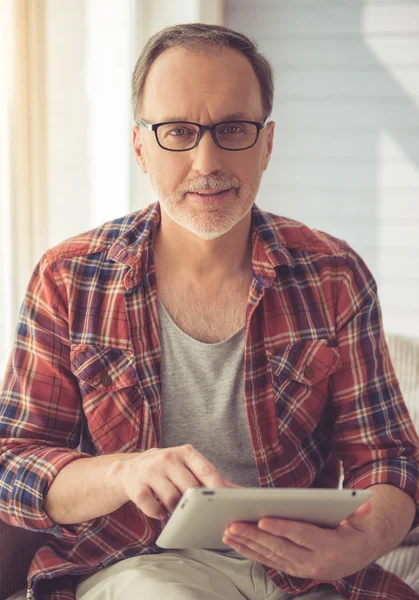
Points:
[[199, 37]]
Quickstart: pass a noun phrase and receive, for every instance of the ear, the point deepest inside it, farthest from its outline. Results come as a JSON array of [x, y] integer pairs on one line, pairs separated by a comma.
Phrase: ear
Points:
[[270, 128], [138, 148]]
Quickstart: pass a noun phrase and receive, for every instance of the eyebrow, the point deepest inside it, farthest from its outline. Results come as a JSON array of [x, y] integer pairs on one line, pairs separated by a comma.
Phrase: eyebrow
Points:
[[230, 117]]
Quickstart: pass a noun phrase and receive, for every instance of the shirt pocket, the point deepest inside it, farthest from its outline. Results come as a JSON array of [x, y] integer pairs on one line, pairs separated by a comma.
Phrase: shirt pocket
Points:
[[111, 396], [300, 379]]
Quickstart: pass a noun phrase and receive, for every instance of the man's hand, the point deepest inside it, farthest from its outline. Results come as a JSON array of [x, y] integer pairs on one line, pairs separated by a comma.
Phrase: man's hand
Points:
[[305, 550], [156, 479]]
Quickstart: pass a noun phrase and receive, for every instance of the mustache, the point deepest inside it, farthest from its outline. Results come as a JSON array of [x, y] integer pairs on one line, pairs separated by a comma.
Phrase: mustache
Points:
[[210, 183]]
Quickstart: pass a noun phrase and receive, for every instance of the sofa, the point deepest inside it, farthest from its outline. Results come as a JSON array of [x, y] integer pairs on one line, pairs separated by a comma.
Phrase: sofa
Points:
[[17, 546]]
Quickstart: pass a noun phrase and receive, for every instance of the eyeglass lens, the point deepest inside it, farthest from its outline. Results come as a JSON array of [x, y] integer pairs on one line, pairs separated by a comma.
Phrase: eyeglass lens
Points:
[[182, 136]]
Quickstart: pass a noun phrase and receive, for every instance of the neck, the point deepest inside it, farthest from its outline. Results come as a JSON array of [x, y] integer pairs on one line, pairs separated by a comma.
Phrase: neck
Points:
[[204, 261]]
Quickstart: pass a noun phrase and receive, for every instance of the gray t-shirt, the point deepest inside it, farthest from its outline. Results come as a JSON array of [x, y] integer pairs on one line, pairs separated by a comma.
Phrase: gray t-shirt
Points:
[[203, 400]]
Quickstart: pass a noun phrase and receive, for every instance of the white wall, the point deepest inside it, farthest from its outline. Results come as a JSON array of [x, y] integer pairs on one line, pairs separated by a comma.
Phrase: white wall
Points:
[[346, 157]]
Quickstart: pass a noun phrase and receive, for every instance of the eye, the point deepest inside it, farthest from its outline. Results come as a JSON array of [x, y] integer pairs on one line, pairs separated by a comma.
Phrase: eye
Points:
[[230, 129], [180, 131], [176, 131], [233, 129]]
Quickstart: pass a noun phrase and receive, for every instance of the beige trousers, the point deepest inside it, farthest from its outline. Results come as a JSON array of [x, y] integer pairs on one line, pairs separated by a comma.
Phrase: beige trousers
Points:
[[188, 575]]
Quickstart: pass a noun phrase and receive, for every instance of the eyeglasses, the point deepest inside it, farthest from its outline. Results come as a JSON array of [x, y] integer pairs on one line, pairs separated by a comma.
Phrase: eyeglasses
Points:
[[180, 136]]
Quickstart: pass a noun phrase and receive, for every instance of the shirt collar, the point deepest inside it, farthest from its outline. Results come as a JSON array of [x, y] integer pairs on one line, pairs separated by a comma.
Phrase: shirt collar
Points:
[[269, 247], [134, 247]]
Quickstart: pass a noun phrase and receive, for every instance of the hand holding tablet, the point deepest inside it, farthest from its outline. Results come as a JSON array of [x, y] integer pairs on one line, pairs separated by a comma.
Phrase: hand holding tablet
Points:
[[202, 515]]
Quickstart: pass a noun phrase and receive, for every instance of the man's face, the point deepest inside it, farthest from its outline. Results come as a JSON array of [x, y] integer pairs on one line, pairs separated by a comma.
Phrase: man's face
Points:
[[203, 88]]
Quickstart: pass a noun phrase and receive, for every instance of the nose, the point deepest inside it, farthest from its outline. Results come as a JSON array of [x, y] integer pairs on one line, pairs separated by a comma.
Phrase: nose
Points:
[[207, 155]]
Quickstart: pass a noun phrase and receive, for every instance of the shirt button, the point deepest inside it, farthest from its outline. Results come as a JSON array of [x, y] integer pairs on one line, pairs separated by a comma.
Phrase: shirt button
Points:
[[106, 380], [309, 373]]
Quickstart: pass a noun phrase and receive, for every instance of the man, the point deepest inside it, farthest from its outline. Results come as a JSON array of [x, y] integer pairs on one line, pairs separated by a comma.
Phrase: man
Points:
[[138, 343]]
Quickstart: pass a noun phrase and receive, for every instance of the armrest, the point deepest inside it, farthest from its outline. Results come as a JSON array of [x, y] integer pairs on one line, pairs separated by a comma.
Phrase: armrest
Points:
[[18, 547], [404, 352]]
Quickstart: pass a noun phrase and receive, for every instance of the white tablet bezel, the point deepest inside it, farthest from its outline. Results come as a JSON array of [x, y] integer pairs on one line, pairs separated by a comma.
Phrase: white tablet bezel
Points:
[[202, 514]]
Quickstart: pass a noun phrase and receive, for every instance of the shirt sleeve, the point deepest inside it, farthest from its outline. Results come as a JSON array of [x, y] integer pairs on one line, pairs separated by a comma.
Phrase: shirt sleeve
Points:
[[373, 433], [40, 405]]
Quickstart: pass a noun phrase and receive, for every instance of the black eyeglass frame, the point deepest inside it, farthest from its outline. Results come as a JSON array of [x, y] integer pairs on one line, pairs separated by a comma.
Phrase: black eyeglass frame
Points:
[[202, 128]]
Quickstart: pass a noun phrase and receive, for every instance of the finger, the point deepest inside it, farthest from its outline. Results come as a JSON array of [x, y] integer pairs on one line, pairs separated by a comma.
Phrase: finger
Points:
[[270, 545], [166, 493], [302, 534], [260, 554], [147, 502], [204, 471], [230, 484], [357, 519], [363, 510], [183, 478]]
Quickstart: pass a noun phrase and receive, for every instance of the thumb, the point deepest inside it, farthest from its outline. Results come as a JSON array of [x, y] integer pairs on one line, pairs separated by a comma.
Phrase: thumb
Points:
[[357, 518], [230, 484]]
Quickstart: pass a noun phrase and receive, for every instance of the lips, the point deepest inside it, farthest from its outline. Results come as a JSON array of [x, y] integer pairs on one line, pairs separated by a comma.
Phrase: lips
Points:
[[211, 196], [212, 193]]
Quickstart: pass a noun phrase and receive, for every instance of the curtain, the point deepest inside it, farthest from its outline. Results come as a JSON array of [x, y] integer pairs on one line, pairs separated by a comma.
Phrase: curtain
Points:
[[22, 154]]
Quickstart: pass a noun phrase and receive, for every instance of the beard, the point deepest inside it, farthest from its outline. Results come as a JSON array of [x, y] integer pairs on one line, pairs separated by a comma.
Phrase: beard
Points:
[[207, 220]]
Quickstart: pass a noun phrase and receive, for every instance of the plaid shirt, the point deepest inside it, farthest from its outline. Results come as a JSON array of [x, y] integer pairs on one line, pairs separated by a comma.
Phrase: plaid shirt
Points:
[[84, 380]]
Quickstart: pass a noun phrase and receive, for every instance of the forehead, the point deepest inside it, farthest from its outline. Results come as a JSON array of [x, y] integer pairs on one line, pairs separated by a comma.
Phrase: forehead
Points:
[[204, 86]]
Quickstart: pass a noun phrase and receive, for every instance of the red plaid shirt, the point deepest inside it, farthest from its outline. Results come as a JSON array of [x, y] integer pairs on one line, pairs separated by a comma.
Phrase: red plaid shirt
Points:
[[84, 380]]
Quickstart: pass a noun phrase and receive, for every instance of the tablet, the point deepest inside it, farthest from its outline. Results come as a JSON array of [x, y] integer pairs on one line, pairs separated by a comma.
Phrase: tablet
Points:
[[202, 514]]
